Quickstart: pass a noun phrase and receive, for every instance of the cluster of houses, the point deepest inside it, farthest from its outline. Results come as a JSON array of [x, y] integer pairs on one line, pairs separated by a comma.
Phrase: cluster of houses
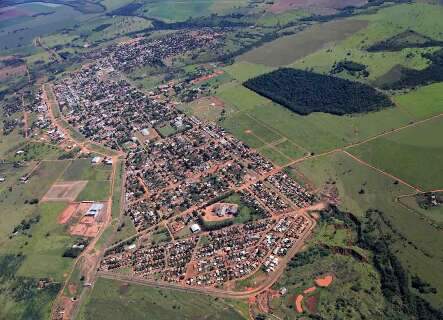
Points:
[[158, 51], [176, 166]]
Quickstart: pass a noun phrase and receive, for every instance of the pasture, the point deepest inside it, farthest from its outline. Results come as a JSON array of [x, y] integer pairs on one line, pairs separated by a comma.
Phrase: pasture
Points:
[[423, 102], [95, 191], [299, 45], [15, 197], [317, 132], [37, 19], [414, 154], [82, 169], [117, 300], [385, 23]]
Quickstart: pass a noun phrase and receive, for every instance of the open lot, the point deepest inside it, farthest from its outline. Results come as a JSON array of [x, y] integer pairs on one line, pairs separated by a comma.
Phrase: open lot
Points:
[[116, 300], [82, 169], [64, 191]]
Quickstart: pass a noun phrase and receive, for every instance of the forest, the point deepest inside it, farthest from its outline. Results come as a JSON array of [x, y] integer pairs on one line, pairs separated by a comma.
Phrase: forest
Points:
[[410, 77], [305, 92], [406, 39]]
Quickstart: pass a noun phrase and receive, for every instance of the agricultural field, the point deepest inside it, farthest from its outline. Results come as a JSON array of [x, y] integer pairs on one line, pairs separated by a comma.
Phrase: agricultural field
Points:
[[299, 45], [317, 132], [116, 300], [173, 10], [413, 154], [423, 102]]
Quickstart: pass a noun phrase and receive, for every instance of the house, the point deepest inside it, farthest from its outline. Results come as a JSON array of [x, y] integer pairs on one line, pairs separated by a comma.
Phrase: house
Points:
[[2, 179], [145, 132]]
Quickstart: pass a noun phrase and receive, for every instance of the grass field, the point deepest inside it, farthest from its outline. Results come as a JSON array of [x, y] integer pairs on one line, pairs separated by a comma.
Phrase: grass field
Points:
[[244, 70], [19, 32], [36, 151], [316, 132], [414, 154], [82, 169], [299, 45], [423, 102], [173, 10], [116, 300], [422, 250], [95, 191], [15, 196], [435, 214]]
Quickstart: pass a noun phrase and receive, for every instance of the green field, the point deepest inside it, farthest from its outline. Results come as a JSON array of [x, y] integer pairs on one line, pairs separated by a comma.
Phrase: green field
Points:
[[293, 47], [82, 169], [316, 132], [19, 32], [173, 10], [423, 102], [95, 191], [414, 154], [15, 196], [117, 300]]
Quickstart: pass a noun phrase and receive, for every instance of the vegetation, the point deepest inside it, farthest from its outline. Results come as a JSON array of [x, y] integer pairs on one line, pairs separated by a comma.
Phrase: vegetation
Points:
[[405, 39], [411, 78], [305, 92], [115, 300], [420, 151]]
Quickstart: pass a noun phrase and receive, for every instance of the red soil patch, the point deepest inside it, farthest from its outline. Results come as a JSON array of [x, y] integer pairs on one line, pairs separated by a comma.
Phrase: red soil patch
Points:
[[298, 301], [285, 5], [67, 213], [88, 226], [216, 73], [309, 290], [324, 281]]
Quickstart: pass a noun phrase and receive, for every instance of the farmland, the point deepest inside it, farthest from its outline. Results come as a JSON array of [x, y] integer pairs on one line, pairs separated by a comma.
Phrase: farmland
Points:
[[420, 149], [116, 300], [294, 47]]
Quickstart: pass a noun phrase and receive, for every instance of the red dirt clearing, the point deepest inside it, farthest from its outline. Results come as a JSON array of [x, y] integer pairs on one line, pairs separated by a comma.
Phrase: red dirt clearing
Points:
[[324, 281], [285, 5], [298, 301], [67, 213], [309, 290]]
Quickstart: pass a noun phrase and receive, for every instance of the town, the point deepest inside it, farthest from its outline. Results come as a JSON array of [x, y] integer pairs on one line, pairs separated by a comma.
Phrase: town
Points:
[[181, 174]]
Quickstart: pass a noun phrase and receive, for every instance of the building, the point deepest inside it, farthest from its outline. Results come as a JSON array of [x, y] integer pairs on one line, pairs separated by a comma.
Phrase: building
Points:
[[224, 209], [94, 210], [96, 160], [195, 228], [145, 132]]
